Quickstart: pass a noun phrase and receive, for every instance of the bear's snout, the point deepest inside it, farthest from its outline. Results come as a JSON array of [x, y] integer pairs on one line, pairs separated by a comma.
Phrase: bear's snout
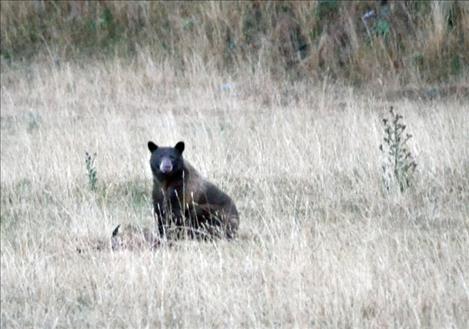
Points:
[[166, 166]]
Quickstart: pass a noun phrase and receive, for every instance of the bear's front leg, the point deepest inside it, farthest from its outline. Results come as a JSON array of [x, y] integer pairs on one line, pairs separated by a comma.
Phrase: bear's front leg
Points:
[[161, 219], [177, 215]]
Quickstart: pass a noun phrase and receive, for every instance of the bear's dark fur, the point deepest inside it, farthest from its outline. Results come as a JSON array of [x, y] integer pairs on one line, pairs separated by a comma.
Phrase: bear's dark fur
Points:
[[184, 201]]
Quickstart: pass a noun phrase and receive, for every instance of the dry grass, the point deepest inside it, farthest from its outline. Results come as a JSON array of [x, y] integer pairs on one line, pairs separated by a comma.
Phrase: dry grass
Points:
[[405, 42], [322, 244]]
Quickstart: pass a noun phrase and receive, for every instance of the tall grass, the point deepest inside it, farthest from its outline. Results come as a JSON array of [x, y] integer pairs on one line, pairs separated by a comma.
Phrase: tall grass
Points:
[[360, 41], [322, 242]]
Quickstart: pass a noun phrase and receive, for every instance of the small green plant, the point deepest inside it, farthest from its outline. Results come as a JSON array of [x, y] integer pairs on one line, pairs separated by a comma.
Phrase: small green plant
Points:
[[33, 121], [90, 160], [382, 28], [399, 163]]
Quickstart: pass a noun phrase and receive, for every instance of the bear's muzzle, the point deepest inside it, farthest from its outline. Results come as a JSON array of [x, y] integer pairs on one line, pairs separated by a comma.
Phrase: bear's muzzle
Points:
[[166, 166]]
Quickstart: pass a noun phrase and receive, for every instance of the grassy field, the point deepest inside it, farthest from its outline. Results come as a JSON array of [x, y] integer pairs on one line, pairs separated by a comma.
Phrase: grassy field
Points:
[[322, 243], [356, 41]]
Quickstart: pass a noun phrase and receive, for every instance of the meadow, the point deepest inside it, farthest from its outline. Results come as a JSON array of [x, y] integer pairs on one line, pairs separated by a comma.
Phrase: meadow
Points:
[[322, 242]]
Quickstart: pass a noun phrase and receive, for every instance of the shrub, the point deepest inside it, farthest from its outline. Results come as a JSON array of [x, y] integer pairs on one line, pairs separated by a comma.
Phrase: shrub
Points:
[[399, 164], [90, 160]]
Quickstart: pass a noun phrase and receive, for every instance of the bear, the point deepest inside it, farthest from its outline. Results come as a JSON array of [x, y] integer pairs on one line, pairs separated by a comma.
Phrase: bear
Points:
[[186, 203]]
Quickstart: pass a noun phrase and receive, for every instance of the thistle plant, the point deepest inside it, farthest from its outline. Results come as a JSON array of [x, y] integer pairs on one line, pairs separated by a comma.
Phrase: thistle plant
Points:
[[399, 164], [90, 160]]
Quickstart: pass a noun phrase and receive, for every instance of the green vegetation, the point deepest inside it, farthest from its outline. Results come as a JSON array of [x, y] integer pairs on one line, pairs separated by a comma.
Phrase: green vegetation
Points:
[[409, 42], [91, 171], [400, 164]]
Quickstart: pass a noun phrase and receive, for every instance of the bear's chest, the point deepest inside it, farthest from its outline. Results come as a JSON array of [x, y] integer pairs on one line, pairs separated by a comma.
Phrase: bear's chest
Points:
[[179, 195], [185, 202]]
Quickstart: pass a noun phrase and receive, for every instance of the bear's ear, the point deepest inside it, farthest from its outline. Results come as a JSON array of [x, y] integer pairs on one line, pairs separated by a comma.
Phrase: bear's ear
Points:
[[152, 146], [180, 147]]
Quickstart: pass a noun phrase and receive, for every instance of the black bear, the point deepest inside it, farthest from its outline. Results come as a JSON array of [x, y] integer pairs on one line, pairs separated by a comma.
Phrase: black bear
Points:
[[184, 201]]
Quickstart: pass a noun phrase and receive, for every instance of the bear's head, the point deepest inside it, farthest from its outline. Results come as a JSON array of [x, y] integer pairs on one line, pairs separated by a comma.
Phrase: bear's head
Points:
[[166, 162]]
